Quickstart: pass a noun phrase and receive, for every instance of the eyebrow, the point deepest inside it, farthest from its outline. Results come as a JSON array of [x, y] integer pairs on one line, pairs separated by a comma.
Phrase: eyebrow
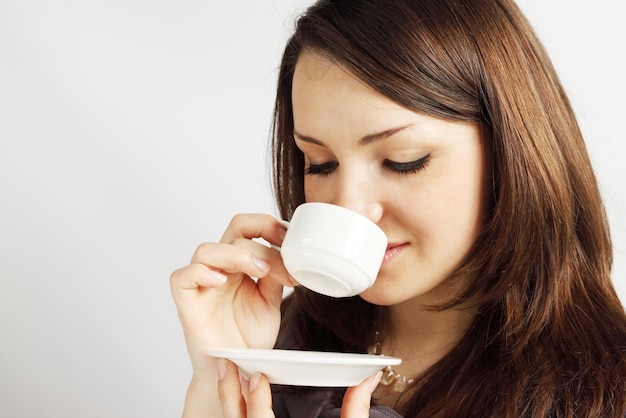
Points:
[[367, 139]]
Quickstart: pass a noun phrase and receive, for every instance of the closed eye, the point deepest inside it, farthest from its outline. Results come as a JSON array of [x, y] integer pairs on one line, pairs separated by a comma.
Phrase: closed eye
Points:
[[321, 169], [408, 167]]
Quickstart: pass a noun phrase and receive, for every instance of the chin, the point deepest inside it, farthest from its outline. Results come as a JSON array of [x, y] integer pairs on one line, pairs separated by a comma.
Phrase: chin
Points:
[[382, 296]]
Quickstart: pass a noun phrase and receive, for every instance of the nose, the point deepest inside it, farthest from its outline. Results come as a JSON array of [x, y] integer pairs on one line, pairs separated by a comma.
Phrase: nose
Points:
[[359, 194]]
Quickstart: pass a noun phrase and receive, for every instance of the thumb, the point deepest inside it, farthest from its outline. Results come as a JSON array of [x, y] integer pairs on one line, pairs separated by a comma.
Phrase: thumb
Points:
[[259, 397], [356, 401]]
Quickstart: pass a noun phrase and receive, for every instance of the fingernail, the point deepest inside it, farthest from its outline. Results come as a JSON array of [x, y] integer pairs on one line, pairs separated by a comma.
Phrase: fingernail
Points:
[[375, 381], [261, 265], [254, 381], [222, 369]]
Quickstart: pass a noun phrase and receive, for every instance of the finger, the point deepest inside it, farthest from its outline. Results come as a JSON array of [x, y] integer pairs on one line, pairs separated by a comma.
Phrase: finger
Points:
[[259, 397], [244, 384], [270, 286], [229, 390], [271, 256], [357, 400], [252, 226], [230, 258], [196, 275], [243, 255]]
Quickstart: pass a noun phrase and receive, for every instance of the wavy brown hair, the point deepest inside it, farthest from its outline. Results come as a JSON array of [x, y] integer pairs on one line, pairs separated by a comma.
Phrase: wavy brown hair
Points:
[[550, 336]]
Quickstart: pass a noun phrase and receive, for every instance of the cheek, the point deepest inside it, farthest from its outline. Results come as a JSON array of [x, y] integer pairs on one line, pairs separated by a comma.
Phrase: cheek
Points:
[[316, 189], [450, 210], [462, 211], [309, 191]]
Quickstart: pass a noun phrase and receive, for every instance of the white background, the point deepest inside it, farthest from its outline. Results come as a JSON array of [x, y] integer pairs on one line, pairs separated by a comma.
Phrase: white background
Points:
[[131, 131]]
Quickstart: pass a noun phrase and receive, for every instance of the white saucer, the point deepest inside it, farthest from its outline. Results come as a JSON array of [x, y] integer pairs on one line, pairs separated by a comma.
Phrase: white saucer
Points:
[[306, 368]]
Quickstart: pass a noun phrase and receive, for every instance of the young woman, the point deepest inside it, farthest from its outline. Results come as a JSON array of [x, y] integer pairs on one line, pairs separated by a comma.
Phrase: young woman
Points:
[[444, 122]]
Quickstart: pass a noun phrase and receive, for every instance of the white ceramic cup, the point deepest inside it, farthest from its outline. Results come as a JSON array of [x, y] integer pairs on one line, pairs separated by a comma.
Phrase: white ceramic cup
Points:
[[332, 250]]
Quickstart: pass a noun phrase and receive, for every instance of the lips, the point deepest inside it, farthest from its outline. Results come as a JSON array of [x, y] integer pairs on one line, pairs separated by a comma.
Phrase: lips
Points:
[[393, 249]]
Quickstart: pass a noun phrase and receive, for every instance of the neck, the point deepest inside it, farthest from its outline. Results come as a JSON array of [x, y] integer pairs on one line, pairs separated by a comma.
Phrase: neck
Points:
[[421, 336]]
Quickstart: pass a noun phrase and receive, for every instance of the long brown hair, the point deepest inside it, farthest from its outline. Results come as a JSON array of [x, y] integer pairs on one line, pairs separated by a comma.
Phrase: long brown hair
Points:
[[550, 336]]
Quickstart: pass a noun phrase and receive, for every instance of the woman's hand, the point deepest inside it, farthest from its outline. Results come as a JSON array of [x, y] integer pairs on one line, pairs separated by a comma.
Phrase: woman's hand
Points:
[[241, 398], [253, 399], [218, 302]]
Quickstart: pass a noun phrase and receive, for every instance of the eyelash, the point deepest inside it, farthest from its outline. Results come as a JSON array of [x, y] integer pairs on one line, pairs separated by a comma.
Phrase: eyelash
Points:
[[411, 167], [320, 169]]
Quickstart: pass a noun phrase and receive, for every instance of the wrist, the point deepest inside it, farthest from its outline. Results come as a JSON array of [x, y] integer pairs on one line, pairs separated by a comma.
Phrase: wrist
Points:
[[205, 370]]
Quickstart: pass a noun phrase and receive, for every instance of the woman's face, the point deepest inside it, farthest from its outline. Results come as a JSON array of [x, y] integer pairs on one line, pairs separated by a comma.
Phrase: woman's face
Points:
[[420, 178]]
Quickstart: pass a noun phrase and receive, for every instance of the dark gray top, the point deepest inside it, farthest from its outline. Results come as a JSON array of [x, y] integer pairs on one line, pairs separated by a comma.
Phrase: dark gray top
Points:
[[313, 402], [317, 403]]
